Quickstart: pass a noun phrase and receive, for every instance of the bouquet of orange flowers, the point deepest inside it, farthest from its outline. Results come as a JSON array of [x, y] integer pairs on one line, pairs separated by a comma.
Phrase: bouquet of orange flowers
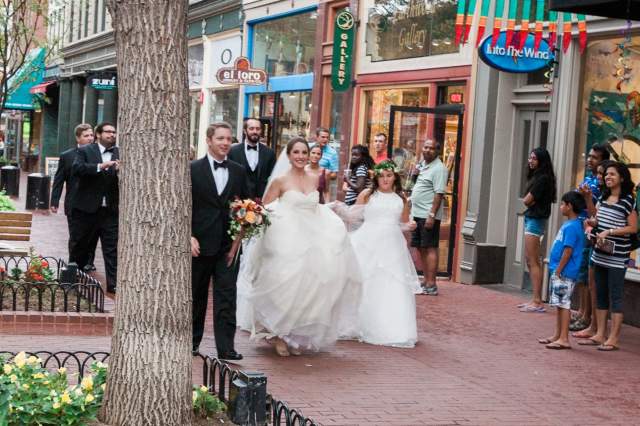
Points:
[[249, 216]]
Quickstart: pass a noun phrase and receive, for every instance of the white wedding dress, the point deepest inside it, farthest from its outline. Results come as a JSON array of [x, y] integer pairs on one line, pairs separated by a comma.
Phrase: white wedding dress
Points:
[[387, 314], [300, 279]]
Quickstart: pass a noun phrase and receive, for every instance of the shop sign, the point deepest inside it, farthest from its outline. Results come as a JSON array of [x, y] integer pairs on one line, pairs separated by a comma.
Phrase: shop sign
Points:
[[511, 59], [103, 81], [242, 73], [223, 54], [343, 36], [456, 98]]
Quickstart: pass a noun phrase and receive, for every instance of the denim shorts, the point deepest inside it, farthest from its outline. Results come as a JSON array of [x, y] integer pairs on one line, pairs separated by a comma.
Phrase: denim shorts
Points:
[[561, 290], [534, 226]]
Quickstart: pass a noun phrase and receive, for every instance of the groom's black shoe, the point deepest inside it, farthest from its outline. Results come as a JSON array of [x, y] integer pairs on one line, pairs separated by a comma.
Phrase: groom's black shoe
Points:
[[231, 355]]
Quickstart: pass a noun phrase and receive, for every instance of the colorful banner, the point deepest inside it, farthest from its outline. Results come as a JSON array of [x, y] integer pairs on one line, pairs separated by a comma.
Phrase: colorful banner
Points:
[[482, 23], [469, 21], [553, 29], [539, 24], [566, 31], [511, 20], [582, 32], [524, 25], [497, 21], [460, 20]]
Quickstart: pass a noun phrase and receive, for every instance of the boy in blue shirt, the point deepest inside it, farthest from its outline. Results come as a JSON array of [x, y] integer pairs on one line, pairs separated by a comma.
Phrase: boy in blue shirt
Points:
[[564, 267]]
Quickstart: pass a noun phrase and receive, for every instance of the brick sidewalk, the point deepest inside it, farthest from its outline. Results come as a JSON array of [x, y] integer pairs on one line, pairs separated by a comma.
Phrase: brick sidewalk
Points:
[[477, 363]]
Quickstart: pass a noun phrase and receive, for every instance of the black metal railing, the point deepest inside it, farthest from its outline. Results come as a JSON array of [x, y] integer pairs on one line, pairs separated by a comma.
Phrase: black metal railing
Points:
[[71, 284], [235, 388]]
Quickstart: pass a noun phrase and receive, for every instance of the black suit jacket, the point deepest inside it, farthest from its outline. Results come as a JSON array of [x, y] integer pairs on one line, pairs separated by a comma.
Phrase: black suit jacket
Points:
[[210, 213], [266, 161], [64, 176], [93, 186]]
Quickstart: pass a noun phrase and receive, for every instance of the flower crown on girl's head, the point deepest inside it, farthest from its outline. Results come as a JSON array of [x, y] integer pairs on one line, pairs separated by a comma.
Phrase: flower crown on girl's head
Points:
[[385, 165]]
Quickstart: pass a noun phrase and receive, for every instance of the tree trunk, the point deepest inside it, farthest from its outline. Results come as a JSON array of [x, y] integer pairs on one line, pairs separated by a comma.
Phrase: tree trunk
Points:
[[149, 381]]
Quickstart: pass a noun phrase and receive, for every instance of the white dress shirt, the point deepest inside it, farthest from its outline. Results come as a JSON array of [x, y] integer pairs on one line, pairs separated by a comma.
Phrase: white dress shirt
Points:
[[220, 175], [252, 155], [106, 156]]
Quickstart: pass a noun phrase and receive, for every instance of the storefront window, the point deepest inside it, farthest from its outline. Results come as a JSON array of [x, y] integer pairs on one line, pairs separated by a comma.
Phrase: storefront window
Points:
[[223, 106], [196, 61], [400, 29], [194, 119], [378, 105], [609, 110], [285, 46], [295, 116]]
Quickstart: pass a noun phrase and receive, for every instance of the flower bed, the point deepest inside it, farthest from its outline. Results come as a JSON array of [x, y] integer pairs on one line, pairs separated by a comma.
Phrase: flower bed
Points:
[[36, 283], [31, 394]]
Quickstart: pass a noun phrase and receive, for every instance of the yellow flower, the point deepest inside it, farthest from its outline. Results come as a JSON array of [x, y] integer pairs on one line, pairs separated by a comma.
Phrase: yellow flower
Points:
[[194, 396], [89, 398], [250, 217], [65, 398], [53, 393], [46, 382], [87, 383], [78, 391], [203, 388], [20, 359], [38, 376], [25, 386], [7, 369], [32, 360], [56, 405], [62, 370], [13, 378]]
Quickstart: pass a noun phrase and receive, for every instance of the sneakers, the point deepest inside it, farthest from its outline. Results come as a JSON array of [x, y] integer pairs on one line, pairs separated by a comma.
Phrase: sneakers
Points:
[[431, 290]]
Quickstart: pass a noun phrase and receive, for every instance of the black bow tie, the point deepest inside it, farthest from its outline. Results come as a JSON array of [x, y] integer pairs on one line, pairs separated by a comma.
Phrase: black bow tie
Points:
[[112, 149], [253, 147], [217, 164]]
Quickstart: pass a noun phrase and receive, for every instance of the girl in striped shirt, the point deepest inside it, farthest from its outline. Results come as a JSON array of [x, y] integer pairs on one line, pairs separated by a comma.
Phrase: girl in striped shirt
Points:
[[616, 220]]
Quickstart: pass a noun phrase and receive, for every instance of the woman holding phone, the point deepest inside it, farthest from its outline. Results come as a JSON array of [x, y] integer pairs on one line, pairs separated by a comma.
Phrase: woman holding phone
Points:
[[615, 223]]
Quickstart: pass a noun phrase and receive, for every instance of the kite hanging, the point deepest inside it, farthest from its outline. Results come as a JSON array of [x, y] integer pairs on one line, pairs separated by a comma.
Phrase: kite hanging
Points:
[[582, 32], [524, 25], [553, 29], [497, 21], [566, 32], [482, 23], [469, 21], [511, 20], [539, 24]]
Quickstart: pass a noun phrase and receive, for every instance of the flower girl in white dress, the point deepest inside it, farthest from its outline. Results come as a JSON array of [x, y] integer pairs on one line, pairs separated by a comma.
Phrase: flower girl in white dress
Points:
[[387, 313]]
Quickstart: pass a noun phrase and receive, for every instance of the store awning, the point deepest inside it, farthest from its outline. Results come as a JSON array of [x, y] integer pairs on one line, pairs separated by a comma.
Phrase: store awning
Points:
[[41, 88], [607, 8], [20, 85]]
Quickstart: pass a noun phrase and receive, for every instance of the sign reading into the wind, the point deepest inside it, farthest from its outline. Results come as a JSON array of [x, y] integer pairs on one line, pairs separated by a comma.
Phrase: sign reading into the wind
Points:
[[509, 58], [343, 36]]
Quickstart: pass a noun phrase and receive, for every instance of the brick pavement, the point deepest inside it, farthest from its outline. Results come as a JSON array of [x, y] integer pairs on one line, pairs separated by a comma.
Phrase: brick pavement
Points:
[[477, 363]]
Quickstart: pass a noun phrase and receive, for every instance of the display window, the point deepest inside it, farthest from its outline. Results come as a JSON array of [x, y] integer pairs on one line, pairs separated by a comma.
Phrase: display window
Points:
[[285, 46], [609, 106], [223, 106]]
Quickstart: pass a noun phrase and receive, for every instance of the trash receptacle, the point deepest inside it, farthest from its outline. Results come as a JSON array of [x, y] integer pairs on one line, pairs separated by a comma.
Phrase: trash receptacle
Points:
[[37, 191], [10, 180]]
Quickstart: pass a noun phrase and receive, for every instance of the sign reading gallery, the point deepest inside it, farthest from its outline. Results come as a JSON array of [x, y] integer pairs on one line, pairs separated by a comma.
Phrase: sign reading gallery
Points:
[[343, 36]]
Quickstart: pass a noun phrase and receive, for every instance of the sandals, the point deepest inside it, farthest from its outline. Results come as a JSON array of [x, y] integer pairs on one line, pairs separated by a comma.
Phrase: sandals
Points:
[[557, 346], [607, 348], [534, 309], [579, 324], [546, 341], [590, 342]]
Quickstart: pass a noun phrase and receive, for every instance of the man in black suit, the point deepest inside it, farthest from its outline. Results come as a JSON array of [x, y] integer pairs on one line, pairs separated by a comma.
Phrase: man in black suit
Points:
[[84, 136], [95, 203], [215, 182], [257, 159]]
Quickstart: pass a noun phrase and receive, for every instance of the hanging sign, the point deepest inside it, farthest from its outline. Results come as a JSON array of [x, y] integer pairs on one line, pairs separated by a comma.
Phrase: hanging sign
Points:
[[241, 73], [343, 36], [509, 58], [105, 81]]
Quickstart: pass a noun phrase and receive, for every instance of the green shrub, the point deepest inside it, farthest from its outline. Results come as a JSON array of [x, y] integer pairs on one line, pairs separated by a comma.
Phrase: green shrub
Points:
[[6, 205]]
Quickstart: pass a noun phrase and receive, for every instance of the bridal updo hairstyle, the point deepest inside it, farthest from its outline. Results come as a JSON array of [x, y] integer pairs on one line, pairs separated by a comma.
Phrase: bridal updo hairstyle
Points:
[[294, 141]]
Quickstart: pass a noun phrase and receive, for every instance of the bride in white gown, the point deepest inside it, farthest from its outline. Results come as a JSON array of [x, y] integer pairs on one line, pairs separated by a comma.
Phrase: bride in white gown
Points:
[[299, 284], [387, 313]]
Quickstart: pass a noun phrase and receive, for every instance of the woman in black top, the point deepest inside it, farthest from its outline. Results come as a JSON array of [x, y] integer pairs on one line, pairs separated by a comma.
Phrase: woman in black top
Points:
[[541, 193]]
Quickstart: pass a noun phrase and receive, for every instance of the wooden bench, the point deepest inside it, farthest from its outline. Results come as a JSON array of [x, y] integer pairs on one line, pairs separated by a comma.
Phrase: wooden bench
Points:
[[14, 227]]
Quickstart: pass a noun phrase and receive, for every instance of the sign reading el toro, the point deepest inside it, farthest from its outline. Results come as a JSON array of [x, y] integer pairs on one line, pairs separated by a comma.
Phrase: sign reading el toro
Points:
[[511, 59], [343, 36], [241, 73]]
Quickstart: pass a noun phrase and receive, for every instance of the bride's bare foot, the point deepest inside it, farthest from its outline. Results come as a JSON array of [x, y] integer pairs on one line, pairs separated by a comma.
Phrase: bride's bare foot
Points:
[[280, 346]]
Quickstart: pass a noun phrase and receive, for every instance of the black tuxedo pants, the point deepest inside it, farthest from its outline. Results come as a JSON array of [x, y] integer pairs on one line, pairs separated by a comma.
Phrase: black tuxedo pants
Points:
[[87, 228], [92, 245], [204, 268]]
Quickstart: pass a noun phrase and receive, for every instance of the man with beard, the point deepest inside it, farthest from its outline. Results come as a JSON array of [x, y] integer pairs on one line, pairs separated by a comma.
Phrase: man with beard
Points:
[[95, 203], [257, 159]]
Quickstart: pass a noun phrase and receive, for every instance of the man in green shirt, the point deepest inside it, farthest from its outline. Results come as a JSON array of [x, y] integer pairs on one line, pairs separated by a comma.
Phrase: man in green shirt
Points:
[[426, 209]]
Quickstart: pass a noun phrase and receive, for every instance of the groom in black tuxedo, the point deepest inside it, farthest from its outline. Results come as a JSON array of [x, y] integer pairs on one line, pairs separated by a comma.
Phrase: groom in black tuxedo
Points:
[[215, 182], [257, 159]]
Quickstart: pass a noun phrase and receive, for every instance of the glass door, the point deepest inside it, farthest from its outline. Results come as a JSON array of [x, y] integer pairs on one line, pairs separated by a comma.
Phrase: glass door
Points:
[[409, 128]]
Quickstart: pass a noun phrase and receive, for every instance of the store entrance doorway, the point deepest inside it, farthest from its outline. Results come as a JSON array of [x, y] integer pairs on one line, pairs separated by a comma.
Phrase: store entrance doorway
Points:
[[409, 128]]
